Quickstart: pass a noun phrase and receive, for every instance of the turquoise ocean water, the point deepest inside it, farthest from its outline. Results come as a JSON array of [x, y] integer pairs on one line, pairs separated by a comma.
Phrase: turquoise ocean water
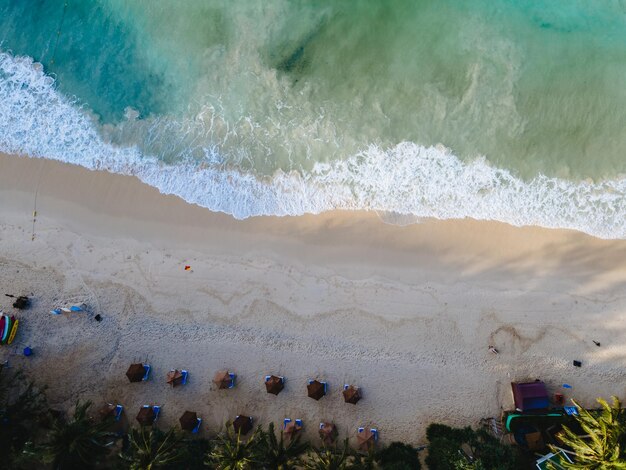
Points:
[[510, 110]]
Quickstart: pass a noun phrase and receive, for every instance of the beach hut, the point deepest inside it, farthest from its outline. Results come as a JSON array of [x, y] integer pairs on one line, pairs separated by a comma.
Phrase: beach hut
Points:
[[176, 377], [274, 384], [530, 396], [351, 394], [189, 421], [328, 433], [366, 438], [136, 372], [316, 389], [224, 379], [146, 416], [242, 424]]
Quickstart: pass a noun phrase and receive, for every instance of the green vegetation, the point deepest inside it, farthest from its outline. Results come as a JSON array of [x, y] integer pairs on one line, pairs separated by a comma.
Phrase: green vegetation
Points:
[[446, 444], [274, 453], [78, 442], [603, 444], [151, 449], [32, 435]]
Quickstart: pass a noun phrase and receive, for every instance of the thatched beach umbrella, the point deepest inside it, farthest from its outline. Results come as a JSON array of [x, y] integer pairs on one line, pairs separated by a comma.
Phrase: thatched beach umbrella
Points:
[[274, 385], [146, 416], [222, 379], [291, 429], [315, 390], [242, 424], [352, 394], [135, 372], [188, 421], [174, 377], [366, 440], [328, 433]]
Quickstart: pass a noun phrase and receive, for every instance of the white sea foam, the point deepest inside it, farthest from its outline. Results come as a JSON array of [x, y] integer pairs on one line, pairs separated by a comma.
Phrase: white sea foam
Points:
[[38, 121]]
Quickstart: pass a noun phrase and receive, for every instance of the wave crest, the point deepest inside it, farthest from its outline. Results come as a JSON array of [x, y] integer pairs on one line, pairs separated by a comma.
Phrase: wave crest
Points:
[[37, 120]]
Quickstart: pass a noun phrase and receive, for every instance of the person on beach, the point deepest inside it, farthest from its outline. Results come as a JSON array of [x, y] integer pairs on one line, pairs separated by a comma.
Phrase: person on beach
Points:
[[493, 350]]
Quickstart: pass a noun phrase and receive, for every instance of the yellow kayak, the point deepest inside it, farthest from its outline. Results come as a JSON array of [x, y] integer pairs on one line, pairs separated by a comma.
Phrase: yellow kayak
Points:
[[13, 332]]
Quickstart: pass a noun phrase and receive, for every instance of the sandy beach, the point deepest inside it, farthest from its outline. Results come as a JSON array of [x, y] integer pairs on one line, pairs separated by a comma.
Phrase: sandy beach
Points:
[[407, 313]]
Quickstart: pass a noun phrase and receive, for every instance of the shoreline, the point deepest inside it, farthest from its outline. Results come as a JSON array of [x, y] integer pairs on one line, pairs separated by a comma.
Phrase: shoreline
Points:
[[406, 312]]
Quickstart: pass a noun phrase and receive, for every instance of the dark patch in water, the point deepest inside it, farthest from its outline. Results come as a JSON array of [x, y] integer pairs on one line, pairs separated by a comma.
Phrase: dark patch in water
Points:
[[295, 59]]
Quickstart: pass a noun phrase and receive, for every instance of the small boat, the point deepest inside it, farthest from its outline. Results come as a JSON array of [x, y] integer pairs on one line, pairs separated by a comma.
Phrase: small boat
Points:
[[7, 329], [13, 332], [3, 324]]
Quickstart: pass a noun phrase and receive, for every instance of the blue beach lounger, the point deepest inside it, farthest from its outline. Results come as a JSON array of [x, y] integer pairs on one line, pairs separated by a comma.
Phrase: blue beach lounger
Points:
[[157, 411], [286, 421], [185, 375], [197, 428], [232, 379], [117, 415], [147, 369]]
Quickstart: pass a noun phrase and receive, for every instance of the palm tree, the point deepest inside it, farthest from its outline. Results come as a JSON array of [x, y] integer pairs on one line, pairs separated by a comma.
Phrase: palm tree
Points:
[[273, 454], [150, 449], [23, 407], [328, 458], [79, 442], [369, 461], [230, 452], [601, 448]]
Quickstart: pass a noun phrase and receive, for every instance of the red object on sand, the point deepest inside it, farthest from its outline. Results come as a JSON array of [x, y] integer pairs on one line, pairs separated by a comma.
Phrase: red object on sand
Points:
[[187, 268]]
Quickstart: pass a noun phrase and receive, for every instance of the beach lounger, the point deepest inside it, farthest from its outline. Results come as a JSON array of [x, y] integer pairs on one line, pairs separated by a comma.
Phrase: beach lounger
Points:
[[570, 410], [286, 421], [157, 411], [147, 369], [232, 379], [185, 375], [117, 415], [197, 428]]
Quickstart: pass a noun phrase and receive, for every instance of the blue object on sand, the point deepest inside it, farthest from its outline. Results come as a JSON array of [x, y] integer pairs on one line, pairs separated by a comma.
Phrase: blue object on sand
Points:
[[75, 308], [286, 421], [147, 369], [570, 410], [157, 410], [567, 386], [28, 351], [232, 379], [56, 311], [118, 412], [185, 375]]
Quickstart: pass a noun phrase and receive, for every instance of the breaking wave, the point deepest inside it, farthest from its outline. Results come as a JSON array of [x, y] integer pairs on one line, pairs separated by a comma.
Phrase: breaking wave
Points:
[[410, 179]]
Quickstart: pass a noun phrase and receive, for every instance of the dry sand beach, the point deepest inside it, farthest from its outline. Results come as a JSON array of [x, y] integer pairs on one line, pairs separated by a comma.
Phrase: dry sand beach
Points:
[[407, 313]]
